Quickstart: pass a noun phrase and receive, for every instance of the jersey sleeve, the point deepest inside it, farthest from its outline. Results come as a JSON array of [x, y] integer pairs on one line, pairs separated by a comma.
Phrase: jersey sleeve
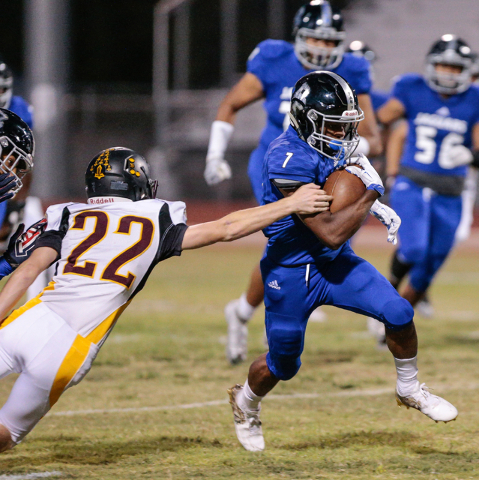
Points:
[[291, 164], [360, 80], [57, 226], [401, 90], [172, 227], [260, 59]]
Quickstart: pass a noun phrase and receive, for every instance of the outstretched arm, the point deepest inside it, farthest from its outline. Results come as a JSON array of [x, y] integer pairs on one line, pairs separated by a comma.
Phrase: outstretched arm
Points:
[[308, 199], [24, 276], [368, 128], [246, 91]]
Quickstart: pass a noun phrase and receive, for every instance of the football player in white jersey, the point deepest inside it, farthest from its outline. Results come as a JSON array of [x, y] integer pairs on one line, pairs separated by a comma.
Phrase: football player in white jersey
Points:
[[104, 251]]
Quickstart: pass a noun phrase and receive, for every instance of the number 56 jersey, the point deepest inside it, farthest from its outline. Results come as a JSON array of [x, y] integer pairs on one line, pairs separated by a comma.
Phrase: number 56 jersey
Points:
[[106, 253]]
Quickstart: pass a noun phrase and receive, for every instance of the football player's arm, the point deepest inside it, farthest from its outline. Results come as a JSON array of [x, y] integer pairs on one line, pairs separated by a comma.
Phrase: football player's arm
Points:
[[394, 147], [333, 229], [24, 276], [475, 146], [307, 199], [391, 111], [246, 91], [368, 128]]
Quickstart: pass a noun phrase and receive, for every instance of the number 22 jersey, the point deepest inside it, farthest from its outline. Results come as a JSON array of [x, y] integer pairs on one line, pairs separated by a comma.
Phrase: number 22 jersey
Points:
[[106, 253]]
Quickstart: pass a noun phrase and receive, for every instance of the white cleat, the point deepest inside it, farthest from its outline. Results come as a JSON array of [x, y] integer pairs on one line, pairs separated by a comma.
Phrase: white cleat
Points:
[[247, 423], [436, 408], [424, 308], [318, 316], [237, 341]]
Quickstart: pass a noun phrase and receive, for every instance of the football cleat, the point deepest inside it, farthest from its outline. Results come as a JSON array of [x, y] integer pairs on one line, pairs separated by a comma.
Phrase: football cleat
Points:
[[247, 423], [436, 408], [318, 316], [237, 341], [424, 307]]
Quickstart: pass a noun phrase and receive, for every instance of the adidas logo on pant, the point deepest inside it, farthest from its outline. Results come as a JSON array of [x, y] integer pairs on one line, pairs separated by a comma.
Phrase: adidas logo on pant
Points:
[[274, 284]]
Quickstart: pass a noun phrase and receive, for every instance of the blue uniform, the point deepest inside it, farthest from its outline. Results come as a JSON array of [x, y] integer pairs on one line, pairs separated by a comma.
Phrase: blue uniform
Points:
[[275, 64], [427, 191], [19, 106], [300, 273], [378, 99]]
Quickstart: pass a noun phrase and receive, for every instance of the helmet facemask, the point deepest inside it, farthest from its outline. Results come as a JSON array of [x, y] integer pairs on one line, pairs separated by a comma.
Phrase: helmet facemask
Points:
[[448, 83], [14, 161], [323, 138], [314, 57]]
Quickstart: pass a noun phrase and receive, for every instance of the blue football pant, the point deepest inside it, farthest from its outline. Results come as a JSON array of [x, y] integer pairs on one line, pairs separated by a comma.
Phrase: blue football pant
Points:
[[255, 171], [429, 223], [347, 282]]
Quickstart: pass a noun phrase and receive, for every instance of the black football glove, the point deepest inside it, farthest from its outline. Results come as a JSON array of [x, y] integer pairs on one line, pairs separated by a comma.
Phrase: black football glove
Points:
[[21, 244], [7, 182]]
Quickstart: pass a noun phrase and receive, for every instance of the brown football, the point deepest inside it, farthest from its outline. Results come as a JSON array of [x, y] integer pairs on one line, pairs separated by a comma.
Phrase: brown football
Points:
[[345, 187]]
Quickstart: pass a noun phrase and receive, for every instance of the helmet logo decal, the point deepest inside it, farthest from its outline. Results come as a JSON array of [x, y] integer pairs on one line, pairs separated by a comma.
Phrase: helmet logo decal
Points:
[[102, 162], [131, 166]]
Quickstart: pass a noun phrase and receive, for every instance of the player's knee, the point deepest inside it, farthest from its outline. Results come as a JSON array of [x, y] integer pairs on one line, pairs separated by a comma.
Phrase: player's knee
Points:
[[283, 367], [413, 254], [398, 313], [285, 339]]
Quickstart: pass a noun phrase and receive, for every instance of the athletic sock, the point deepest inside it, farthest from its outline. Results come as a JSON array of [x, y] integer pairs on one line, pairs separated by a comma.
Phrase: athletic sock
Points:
[[399, 269], [244, 309], [406, 369], [247, 399]]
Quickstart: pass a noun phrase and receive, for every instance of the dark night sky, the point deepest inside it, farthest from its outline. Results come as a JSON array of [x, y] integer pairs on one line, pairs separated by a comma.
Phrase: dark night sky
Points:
[[111, 41]]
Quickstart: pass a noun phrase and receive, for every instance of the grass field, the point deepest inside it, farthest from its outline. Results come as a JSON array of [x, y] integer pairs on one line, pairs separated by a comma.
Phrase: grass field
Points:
[[167, 351]]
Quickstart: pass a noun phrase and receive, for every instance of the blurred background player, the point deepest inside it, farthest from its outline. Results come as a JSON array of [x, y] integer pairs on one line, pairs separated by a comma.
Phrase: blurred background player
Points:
[[273, 68], [308, 259], [23, 208], [442, 113]]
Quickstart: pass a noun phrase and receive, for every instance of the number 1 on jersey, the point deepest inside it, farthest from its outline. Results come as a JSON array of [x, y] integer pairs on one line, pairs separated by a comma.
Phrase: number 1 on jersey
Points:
[[288, 158]]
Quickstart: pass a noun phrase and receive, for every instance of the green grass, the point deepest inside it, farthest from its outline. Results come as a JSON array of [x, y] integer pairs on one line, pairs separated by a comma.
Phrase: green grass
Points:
[[167, 350]]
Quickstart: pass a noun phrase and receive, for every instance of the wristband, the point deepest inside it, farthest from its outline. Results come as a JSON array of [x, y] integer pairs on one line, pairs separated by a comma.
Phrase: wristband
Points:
[[363, 147], [220, 136]]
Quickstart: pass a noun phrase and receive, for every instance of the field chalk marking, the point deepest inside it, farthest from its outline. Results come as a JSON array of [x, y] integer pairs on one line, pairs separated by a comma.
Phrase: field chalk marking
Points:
[[346, 393], [31, 475]]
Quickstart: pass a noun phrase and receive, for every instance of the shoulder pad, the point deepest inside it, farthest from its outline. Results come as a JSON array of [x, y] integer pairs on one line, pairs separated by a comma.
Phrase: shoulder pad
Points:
[[273, 48]]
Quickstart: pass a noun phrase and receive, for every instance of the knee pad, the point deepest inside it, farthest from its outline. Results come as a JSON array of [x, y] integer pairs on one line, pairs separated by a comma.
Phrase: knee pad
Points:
[[285, 339], [398, 314]]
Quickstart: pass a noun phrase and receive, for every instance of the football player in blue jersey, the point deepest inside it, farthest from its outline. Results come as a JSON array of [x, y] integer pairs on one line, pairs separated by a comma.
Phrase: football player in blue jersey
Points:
[[308, 260], [273, 68], [442, 112], [20, 107]]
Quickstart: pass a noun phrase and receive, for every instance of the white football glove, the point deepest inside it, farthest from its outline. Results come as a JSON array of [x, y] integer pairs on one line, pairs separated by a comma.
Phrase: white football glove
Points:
[[367, 174], [460, 155], [388, 217], [217, 169]]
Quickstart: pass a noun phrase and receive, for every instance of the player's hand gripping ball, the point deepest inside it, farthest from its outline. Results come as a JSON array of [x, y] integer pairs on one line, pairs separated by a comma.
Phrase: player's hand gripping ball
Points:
[[345, 187]]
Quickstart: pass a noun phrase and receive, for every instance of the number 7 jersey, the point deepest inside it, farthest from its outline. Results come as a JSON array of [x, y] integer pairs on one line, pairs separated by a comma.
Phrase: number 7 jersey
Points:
[[106, 253]]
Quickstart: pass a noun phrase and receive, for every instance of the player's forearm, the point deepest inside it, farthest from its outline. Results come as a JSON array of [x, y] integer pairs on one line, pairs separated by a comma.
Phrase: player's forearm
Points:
[[16, 287], [334, 229], [245, 222]]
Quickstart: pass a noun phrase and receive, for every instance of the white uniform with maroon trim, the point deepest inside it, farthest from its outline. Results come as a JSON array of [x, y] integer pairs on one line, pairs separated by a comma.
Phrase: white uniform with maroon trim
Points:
[[107, 249]]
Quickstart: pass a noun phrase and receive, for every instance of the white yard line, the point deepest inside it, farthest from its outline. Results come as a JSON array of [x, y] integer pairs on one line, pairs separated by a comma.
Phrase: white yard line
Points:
[[31, 475], [345, 393]]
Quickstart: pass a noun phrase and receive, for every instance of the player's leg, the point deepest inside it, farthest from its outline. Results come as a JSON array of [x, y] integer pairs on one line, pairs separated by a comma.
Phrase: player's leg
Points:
[[289, 300], [52, 357], [239, 311], [412, 204], [445, 218], [7, 365], [356, 285]]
